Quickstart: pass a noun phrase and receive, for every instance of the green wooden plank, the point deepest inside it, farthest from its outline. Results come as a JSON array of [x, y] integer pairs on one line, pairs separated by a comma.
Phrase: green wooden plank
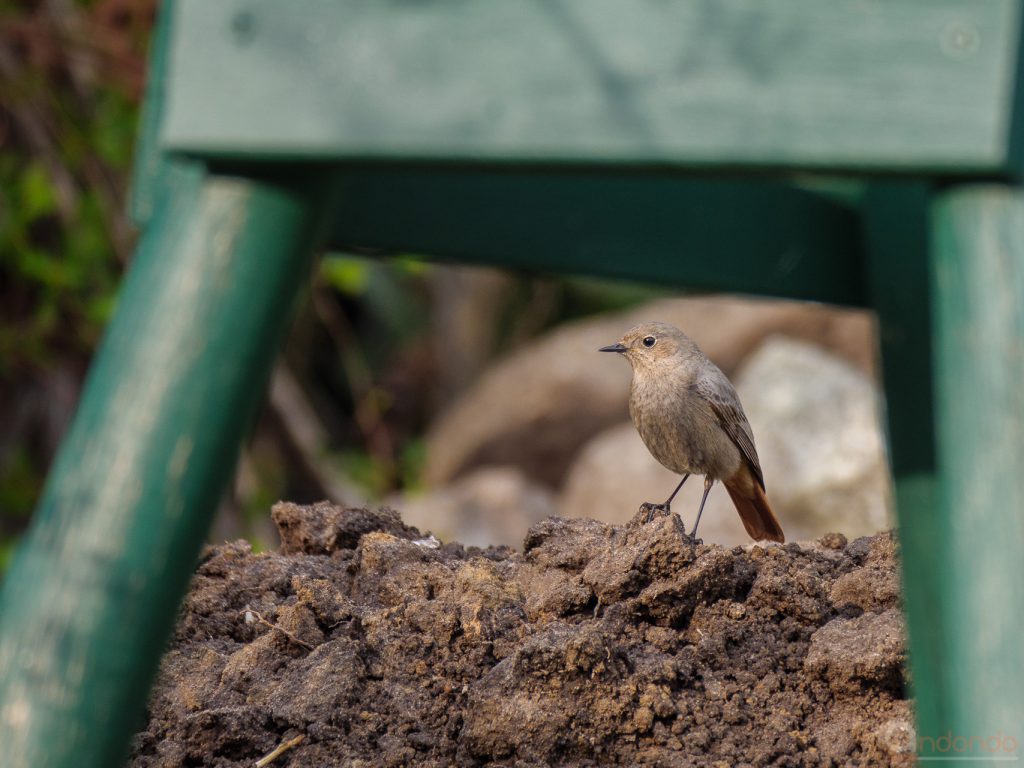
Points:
[[979, 343], [907, 85], [899, 288], [712, 234], [150, 171], [89, 601]]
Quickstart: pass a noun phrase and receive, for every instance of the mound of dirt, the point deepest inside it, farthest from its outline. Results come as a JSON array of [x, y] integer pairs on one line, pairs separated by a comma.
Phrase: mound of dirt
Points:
[[362, 643]]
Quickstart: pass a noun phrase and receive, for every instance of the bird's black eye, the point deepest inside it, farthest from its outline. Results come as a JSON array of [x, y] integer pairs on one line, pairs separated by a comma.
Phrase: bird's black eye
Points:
[[649, 341]]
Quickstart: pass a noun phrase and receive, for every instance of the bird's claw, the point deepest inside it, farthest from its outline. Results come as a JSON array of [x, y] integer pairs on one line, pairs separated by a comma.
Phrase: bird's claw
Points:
[[692, 540], [652, 508]]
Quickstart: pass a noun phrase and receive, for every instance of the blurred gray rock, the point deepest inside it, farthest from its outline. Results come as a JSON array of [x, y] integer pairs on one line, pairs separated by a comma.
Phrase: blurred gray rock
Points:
[[815, 420], [538, 406], [817, 424], [491, 505]]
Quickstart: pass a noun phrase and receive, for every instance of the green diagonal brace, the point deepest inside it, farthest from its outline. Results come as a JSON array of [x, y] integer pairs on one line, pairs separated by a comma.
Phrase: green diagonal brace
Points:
[[89, 601]]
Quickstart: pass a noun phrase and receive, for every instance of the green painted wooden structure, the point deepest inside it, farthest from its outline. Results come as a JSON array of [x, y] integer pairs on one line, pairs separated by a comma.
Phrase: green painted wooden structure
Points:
[[861, 152]]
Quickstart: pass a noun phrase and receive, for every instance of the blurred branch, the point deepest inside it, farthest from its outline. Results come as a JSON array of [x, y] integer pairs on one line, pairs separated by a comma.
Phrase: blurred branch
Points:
[[304, 438], [367, 411], [544, 295]]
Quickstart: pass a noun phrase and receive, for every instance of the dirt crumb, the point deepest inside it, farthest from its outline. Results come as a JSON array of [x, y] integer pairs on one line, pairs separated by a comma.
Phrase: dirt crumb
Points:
[[597, 645]]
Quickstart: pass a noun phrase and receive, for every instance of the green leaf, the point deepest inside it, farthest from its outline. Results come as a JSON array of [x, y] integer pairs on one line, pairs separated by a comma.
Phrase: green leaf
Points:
[[345, 274], [38, 197]]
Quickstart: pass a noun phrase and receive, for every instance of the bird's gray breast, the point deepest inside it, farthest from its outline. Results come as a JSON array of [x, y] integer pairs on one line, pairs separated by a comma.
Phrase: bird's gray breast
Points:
[[675, 425]]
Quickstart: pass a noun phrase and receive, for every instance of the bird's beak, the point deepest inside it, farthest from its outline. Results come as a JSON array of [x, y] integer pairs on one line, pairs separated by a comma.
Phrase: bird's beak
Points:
[[616, 347]]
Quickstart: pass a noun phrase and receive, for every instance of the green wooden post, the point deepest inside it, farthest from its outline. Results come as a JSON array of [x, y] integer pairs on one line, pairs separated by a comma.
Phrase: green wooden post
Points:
[[89, 601], [899, 288], [978, 274]]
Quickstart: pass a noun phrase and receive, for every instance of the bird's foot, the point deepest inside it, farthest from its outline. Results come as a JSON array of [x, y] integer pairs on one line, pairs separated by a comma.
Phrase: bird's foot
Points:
[[692, 540], [650, 509]]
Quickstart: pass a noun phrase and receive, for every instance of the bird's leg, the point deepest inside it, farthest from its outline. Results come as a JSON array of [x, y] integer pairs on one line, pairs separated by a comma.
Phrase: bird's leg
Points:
[[667, 506], [668, 502], [708, 482]]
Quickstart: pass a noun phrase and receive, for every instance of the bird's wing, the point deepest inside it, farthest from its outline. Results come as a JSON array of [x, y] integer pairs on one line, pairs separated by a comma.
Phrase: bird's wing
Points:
[[725, 404]]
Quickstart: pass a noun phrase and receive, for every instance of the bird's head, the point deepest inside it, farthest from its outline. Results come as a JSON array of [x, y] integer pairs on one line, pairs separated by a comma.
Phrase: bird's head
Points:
[[652, 345]]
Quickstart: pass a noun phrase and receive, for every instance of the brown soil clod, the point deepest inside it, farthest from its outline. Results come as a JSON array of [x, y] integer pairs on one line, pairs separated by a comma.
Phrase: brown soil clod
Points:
[[394, 651]]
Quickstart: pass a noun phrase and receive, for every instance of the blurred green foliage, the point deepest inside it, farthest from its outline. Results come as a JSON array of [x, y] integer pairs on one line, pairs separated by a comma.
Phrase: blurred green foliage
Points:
[[70, 81], [373, 476], [62, 279], [70, 86]]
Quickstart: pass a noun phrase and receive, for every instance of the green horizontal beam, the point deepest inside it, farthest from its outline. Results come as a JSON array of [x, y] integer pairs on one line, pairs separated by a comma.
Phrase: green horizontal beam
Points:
[[904, 85], [713, 234]]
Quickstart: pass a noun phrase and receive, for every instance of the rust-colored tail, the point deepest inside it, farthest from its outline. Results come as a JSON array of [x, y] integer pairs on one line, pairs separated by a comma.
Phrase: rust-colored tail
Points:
[[755, 512]]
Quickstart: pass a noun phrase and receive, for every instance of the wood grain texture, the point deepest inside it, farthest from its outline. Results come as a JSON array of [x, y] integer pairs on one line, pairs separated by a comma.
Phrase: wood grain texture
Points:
[[854, 84], [979, 342]]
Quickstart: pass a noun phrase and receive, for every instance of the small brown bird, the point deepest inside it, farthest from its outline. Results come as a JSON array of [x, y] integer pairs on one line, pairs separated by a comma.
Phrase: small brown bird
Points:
[[690, 418]]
